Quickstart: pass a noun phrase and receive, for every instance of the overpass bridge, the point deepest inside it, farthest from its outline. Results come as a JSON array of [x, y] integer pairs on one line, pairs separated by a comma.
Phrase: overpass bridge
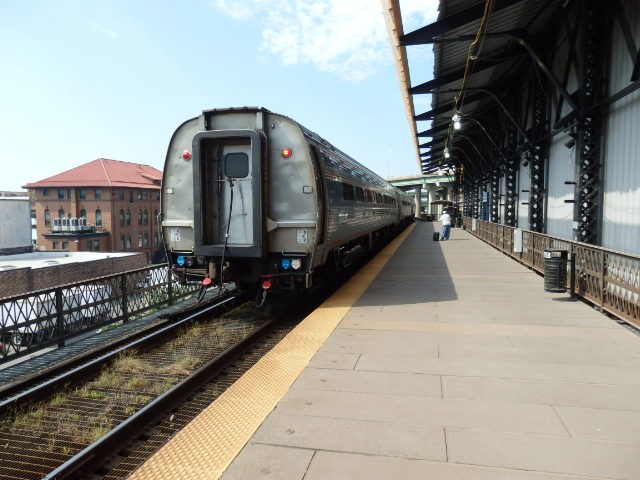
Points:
[[431, 191]]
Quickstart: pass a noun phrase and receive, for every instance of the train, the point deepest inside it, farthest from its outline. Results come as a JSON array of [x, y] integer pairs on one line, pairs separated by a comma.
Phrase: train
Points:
[[253, 197]]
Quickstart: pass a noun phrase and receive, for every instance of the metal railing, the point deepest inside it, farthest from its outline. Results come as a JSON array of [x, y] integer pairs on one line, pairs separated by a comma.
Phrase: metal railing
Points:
[[50, 316], [606, 278]]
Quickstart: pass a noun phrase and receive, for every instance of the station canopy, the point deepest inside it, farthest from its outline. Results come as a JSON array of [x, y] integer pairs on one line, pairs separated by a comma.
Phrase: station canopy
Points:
[[480, 48]]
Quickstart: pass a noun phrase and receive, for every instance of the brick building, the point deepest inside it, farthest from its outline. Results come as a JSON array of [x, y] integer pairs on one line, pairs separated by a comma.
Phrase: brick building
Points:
[[104, 205]]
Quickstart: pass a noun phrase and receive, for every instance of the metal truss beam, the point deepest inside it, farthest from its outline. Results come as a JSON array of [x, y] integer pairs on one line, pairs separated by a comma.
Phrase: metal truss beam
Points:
[[454, 76], [485, 162], [538, 158], [482, 92], [511, 168], [447, 108], [495, 196], [433, 143], [520, 40], [432, 131], [495, 145], [476, 197], [597, 18], [459, 19]]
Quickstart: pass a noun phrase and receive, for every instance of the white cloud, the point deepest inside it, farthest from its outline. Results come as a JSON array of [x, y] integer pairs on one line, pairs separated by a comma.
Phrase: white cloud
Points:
[[418, 13], [345, 37], [105, 30], [236, 9]]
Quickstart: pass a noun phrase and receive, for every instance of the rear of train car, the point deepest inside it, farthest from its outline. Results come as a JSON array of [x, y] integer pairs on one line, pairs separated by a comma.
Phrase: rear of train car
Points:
[[250, 195]]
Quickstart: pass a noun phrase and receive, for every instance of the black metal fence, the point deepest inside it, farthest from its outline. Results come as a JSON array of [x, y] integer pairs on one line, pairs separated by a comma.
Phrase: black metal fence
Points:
[[606, 278], [51, 316]]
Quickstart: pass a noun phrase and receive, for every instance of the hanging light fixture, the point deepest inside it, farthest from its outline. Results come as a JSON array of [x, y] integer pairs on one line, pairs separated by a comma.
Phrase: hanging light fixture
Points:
[[456, 121]]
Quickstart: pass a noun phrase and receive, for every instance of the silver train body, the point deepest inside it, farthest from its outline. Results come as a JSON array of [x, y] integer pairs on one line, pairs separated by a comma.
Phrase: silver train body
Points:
[[252, 196]]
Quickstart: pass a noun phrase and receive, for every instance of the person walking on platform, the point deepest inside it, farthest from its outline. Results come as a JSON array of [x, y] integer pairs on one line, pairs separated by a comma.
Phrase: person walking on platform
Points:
[[445, 219]]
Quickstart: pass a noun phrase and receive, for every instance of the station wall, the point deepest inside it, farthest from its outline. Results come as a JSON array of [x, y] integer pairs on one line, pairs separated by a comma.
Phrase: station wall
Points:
[[621, 202]]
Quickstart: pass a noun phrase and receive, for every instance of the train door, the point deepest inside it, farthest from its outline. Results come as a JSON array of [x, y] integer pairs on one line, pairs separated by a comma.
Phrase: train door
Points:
[[228, 193], [236, 204]]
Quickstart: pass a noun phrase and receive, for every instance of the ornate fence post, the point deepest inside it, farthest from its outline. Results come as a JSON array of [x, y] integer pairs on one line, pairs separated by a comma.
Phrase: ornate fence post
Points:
[[125, 298], [60, 317]]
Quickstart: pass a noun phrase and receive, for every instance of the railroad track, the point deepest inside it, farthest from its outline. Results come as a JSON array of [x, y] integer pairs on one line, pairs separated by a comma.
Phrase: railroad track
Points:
[[106, 425]]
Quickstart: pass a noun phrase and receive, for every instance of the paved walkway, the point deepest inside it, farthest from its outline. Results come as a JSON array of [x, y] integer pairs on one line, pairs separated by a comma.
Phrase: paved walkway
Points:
[[456, 364]]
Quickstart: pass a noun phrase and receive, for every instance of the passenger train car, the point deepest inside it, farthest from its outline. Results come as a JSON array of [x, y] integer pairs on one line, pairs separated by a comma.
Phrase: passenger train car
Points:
[[252, 196]]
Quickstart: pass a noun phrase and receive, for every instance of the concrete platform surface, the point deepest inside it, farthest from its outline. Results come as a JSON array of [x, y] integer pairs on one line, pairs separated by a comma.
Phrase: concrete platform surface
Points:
[[456, 364]]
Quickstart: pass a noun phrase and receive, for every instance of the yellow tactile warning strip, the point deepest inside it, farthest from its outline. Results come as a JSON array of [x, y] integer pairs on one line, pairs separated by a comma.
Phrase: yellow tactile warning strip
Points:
[[206, 447]]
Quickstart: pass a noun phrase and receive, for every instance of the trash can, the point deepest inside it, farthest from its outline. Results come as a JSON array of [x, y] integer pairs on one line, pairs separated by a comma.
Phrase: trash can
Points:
[[555, 270]]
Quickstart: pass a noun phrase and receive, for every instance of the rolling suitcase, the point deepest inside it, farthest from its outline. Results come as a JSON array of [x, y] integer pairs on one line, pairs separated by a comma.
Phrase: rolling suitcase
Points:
[[436, 236]]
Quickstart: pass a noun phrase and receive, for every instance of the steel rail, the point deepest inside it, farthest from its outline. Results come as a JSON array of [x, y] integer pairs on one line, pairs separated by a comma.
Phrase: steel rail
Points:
[[85, 462], [85, 369]]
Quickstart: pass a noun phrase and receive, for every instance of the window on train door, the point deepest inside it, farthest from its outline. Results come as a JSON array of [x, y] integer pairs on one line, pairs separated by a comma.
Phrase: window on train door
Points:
[[236, 165]]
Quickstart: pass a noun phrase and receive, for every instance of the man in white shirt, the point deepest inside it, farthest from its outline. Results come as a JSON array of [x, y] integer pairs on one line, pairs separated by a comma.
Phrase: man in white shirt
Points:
[[445, 219]]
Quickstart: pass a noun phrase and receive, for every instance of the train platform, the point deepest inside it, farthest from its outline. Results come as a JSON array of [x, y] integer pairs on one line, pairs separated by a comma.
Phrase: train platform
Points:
[[442, 360]]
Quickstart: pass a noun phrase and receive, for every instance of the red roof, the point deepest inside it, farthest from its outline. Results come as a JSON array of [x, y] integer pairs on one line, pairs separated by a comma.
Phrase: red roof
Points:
[[104, 173]]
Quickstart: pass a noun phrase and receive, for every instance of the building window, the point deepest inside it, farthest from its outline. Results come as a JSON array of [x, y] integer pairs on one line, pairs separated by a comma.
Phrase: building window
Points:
[[145, 239], [121, 195], [45, 192], [61, 213], [139, 195], [140, 216], [98, 194], [145, 195], [56, 245], [139, 240], [156, 239], [128, 217], [128, 241], [158, 195], [65, 245], [88, 246], [145, 217], [83, 213], [83, 194], [47, 218], [155, 216], [96, 245], [61, 193], [123, 240], [121, 217], [98, 217], [130, 196]]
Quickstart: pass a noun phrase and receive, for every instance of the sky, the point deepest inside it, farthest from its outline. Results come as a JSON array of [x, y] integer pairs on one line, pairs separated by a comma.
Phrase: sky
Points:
[[85, 79]]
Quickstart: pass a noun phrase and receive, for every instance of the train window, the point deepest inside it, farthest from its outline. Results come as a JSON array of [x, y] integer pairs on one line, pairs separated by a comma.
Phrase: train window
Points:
[[347, 192], [236, 165], [359, 194], [335, 191]]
